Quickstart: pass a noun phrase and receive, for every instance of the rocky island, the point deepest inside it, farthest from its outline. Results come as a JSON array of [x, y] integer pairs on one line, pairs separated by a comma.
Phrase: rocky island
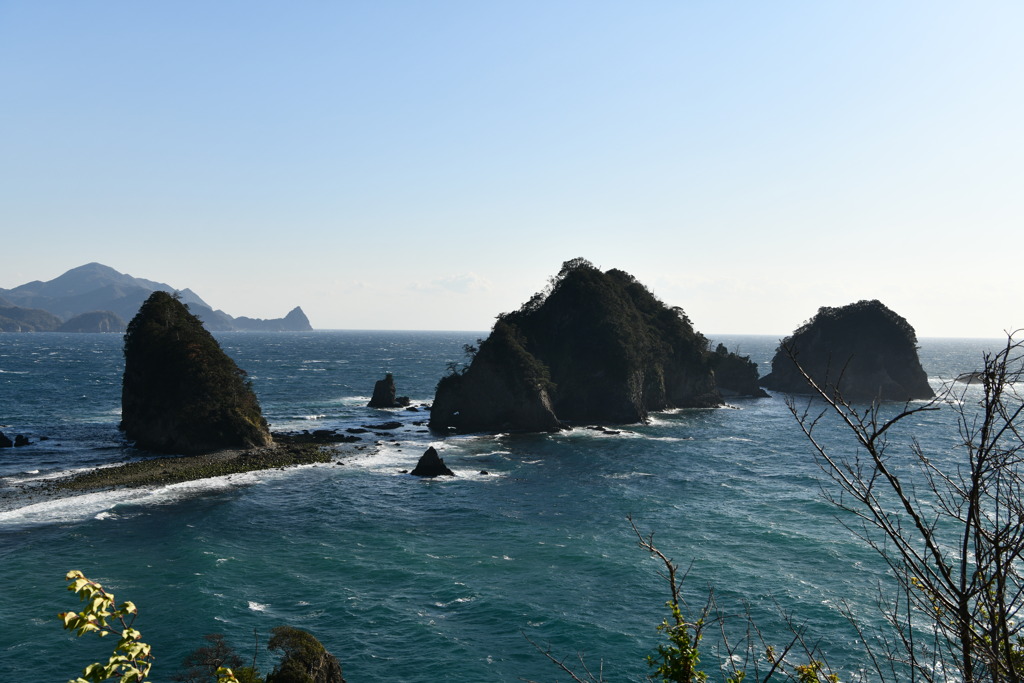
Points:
[[181, 393], [385, 394], [860, 352], [594, 347]]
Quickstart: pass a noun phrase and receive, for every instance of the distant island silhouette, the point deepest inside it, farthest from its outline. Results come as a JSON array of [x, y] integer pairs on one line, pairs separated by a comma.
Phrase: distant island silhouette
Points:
[[97, 298]]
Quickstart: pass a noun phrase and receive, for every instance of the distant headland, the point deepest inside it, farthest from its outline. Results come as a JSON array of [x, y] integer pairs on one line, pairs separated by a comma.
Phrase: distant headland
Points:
[[97, 298]]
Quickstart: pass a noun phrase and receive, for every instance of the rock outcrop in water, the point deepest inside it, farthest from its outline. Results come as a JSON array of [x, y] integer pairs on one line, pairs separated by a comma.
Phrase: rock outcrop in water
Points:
[[431, 465], [384, 394], [735, 375], [863, 352], [505, 389], [596, 347], [181, 393]]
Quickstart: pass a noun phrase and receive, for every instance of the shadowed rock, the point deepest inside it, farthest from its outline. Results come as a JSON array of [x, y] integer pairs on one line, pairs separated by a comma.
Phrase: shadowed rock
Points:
[[384, 394], [735, 375], [181, 393], [431, 465], [862, 352], [594, 347]]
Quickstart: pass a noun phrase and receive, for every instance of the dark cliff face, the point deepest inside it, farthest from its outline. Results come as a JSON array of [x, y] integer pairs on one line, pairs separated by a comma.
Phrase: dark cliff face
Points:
[[505, 389], [181, 393], [596, 347], [864, 350], [735, 375]]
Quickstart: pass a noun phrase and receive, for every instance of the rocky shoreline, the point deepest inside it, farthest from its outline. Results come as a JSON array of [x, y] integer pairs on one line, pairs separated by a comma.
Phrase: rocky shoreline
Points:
[[172, 470], [288, 451]]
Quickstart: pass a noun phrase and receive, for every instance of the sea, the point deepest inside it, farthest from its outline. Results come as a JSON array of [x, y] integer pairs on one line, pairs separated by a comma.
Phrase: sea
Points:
[[528, 554]]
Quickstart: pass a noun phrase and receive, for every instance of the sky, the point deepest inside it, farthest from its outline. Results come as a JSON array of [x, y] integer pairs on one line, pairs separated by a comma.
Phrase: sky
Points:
[[429, 165]]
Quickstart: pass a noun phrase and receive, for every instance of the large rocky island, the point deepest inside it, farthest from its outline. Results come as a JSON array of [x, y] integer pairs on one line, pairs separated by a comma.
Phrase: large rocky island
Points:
[[594, 347], [860, 352], [181, 393], [97, 298]]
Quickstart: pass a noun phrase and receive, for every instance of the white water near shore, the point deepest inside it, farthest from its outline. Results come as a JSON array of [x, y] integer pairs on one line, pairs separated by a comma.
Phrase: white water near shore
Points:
[[403, 578]]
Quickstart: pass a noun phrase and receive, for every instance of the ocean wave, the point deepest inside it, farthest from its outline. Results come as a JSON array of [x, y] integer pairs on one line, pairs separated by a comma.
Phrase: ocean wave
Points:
[[101, 505]]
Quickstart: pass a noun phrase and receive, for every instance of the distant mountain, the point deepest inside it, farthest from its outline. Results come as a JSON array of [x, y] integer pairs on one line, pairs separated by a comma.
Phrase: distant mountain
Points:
[[17, 319], [95, 321], [96, 287]]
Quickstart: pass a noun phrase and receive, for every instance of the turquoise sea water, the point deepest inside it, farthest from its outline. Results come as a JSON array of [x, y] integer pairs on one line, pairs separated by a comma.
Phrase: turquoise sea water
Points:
[[412, 580]]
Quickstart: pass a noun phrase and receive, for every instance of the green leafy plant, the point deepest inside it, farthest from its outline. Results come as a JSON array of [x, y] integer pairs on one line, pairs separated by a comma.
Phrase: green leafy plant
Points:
[[132, 659]]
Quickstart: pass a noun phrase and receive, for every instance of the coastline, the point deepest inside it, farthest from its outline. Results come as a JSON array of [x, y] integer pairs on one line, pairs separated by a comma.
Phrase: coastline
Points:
[[289, 450]]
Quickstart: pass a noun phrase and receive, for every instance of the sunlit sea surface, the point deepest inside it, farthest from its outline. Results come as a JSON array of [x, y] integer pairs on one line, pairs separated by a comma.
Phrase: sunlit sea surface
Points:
[[420, 580]]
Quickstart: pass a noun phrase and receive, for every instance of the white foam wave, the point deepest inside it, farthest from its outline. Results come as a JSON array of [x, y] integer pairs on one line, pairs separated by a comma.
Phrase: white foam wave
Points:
[[628, 475], [59, 474], [100, 505], [257, 606]]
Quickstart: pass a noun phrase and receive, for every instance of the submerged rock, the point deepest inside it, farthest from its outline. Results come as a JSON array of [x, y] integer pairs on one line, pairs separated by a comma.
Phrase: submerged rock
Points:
[[596, 347], [383, 425], [181, 393], [384, 394], [860, 352], [431, 465], [5, 442]]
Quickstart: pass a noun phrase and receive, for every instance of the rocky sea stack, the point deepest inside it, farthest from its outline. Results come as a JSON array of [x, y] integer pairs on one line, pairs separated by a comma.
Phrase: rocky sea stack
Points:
[[384, 394], [431, 465], [594, 347], [862, 352], [181, 393]]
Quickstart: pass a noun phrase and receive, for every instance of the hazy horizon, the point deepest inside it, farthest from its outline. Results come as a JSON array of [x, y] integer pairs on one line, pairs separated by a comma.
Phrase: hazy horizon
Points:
[[429, 166]]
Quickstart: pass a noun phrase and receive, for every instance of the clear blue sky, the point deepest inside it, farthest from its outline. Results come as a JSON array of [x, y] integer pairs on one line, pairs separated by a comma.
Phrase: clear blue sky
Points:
[[427, 165]]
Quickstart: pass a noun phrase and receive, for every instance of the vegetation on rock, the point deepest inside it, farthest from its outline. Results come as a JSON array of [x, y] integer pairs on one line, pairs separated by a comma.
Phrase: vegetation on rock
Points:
[[735, 375], [592, 347], [18, 319], [505, 388], [862, 352], [94, 321], [304, 660], [181, 393], [202, 664]]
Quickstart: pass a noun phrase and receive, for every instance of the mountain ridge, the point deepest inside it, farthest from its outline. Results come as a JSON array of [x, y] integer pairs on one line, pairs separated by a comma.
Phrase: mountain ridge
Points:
[[96, 287]]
